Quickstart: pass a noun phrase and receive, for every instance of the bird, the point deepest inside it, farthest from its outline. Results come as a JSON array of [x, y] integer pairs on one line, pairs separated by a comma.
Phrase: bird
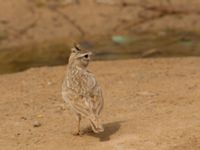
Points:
[[81, 91]]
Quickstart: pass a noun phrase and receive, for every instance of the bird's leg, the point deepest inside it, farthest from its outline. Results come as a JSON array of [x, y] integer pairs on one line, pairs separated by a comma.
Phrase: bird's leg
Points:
[[78, 131], [78, 125]]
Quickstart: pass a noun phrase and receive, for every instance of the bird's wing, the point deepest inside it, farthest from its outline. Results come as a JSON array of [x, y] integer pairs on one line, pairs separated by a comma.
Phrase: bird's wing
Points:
[[97, 101], [86, 95]]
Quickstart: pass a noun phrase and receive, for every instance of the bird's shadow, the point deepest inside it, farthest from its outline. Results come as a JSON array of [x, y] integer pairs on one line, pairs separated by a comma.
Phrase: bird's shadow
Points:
[[109, 129]]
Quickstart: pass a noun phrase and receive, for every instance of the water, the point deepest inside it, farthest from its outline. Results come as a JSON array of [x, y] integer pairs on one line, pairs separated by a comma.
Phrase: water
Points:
[[140, 45]]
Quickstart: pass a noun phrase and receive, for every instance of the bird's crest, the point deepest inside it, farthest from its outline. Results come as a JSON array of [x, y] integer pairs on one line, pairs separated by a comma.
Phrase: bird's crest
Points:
[[76, 48]]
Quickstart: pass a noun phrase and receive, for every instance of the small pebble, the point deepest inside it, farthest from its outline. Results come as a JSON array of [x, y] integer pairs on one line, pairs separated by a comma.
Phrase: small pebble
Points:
[[18, 134], [49, 83], [40, 116], [23, 118], [36, 124]]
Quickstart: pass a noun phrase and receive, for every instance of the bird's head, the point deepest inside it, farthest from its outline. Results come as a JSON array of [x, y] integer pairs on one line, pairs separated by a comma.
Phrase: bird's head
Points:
[[79, 57]]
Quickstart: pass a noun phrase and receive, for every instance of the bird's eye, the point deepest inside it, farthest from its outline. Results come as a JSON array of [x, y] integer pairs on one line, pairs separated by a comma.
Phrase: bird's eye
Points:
[[86, 56]]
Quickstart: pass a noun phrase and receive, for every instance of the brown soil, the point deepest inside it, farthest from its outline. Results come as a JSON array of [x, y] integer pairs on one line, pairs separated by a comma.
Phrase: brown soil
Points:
[[25, 21], [149, 104]]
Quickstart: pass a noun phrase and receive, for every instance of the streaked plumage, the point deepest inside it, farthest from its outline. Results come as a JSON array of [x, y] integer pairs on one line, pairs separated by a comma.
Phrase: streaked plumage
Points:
[[81, 91]]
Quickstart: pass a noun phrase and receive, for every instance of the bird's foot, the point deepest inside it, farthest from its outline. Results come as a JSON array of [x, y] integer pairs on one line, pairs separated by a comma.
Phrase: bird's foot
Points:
[[77, 133], [89, 130]]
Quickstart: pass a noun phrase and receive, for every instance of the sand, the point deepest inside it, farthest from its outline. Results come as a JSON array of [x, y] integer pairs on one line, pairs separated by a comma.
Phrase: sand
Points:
[[150, 104], [33, 21]]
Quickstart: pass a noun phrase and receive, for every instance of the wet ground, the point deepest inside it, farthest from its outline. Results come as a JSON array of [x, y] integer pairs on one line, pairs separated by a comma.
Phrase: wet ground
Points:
[[139, 45]]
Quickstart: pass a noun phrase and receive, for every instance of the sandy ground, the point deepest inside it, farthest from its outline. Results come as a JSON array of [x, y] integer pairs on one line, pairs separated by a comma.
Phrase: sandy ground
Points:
[[33, 21], [150, 104]]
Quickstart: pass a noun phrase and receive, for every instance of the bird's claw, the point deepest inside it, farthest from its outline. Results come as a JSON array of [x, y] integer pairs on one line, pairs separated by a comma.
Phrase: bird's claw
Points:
[[79, 133]]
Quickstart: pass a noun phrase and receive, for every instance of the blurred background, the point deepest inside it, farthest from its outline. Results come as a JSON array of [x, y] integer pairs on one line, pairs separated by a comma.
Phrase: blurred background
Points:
[[41, 32]]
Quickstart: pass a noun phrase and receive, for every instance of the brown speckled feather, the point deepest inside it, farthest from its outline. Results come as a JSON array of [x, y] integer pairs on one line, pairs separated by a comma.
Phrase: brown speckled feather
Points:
[[81, 91]]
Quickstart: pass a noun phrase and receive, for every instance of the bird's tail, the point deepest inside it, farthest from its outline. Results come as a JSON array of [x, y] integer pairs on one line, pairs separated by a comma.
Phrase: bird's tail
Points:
[[96, 124]]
